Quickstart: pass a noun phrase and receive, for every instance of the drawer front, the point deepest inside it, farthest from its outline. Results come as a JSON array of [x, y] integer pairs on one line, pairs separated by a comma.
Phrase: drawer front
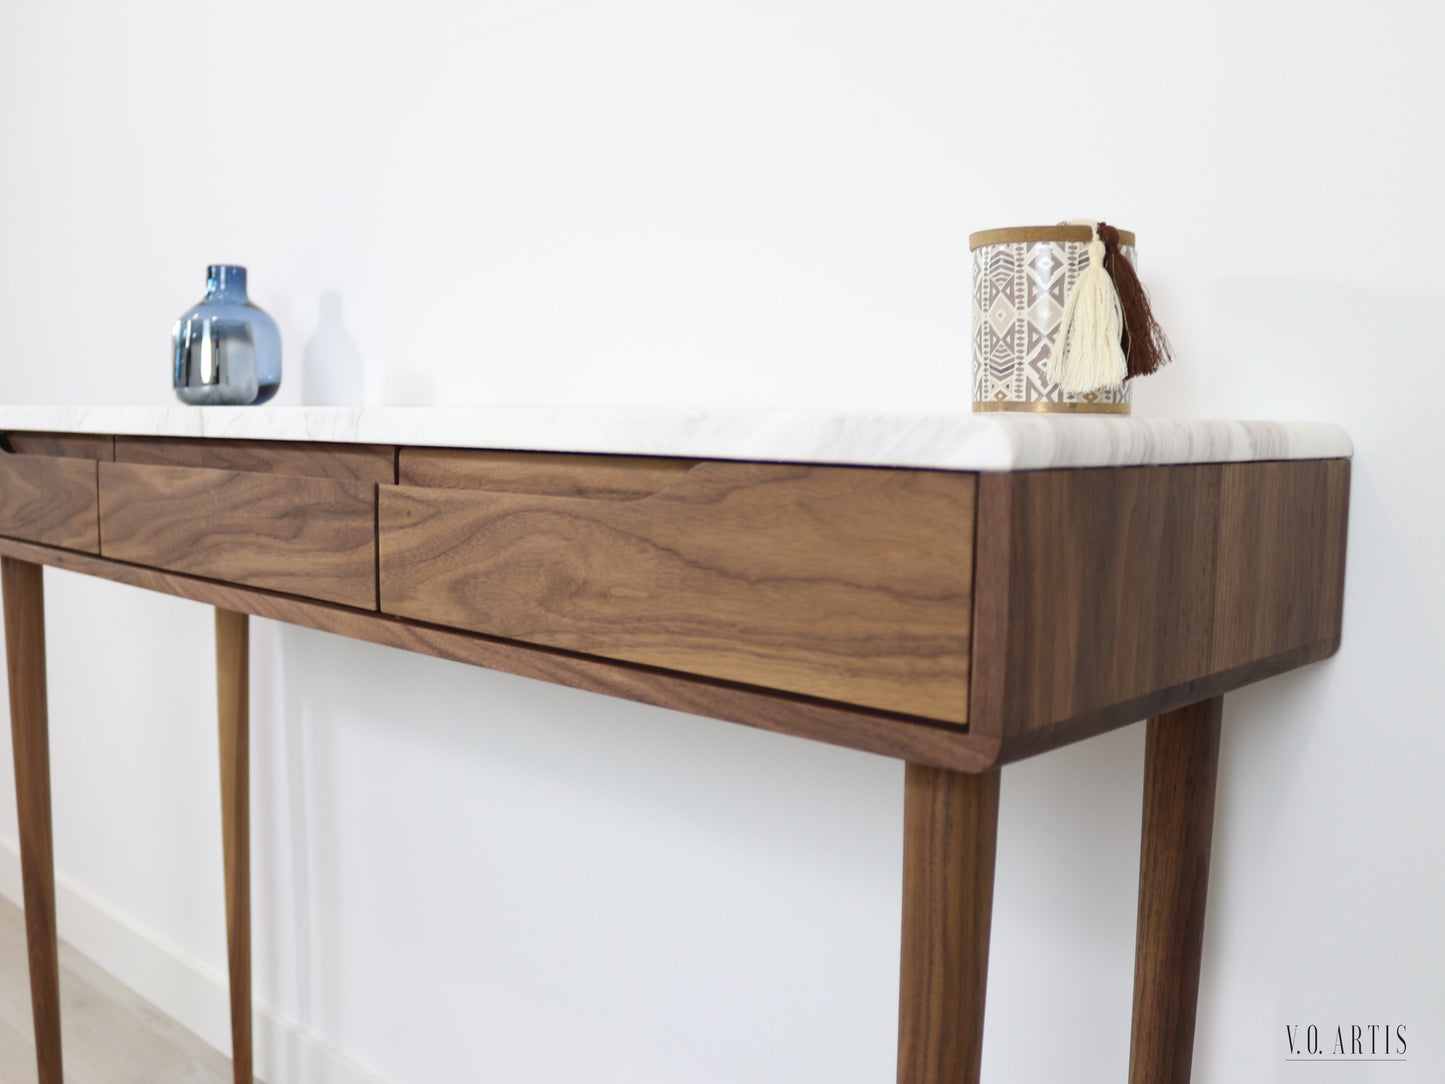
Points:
[[551, 474], [66, 445], [50, 500], [847, 584], [304, 536], [358, 462]]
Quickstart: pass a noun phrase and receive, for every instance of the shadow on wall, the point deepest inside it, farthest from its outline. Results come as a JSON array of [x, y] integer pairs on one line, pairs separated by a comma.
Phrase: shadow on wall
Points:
[[457, 828], [301, 768], [333, 372]]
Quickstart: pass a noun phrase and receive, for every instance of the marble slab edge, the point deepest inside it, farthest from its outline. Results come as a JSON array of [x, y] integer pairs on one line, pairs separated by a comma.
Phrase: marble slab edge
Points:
[[962, 441]]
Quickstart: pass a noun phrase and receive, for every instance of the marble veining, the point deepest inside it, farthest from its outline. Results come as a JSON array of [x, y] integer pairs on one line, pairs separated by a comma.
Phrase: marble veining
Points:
[[959, 441]]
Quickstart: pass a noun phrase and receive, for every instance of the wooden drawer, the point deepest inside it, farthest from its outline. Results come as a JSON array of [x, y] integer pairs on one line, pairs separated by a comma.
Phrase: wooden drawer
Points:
[[49, 499], [304, 536], [65, 445], [359, 462], [846, 584]]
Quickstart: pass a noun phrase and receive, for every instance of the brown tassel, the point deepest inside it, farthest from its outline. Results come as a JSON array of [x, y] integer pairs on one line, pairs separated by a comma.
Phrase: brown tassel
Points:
[[1146, 347]]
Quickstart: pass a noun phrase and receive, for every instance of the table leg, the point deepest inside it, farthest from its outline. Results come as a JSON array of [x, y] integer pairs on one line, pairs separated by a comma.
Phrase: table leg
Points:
[[950, 832], [233, 700], [29, 726], [1181, 763]]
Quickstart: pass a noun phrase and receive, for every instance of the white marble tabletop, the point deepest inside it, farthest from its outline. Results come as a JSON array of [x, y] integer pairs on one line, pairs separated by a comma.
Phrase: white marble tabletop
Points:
[[959, 441]]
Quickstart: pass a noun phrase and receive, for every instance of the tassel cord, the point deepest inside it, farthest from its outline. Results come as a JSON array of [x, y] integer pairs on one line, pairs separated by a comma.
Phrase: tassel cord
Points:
[[1089, 353], [1146, 347]]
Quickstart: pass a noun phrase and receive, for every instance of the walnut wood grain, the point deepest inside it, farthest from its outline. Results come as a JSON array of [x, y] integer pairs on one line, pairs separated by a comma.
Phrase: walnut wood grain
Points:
[[831, 603], [24, 603], [885, 733], [950, 836], [354, 462], [233, 654], [598, 477], [1181, 765], [51, 500], [1279, 559], [306, 536], [847, 584], [63, 445], [1103, 596]]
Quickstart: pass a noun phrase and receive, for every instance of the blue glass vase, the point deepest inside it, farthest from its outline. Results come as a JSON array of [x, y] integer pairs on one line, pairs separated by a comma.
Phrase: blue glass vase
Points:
[[227, 351]]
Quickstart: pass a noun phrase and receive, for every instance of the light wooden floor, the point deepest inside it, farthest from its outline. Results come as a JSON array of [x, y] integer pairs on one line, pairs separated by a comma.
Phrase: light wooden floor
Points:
[[110, 1035]]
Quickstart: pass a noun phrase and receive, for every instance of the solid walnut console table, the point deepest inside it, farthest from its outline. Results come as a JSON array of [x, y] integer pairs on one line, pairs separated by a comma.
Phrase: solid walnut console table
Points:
[[955, 591]]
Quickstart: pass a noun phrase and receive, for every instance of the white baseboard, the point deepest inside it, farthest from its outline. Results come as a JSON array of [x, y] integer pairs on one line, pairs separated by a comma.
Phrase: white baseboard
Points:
[[183, 987]]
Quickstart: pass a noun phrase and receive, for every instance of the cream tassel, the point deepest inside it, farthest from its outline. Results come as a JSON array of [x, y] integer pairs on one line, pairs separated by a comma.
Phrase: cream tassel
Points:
[[1089, 353]]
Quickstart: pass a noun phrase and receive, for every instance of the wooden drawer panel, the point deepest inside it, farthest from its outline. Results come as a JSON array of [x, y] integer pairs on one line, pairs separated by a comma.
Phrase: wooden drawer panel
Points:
[[847, 584], [552, 474], [68, 445], [1105, 595], [361, 462], [305, 536], [48, 499]]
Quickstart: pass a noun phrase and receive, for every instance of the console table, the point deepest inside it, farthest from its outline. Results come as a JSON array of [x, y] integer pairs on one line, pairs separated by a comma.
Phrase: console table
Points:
[[955, 591]]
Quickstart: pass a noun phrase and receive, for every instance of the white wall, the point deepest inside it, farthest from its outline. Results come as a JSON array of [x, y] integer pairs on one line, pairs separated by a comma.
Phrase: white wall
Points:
[[460, 875]]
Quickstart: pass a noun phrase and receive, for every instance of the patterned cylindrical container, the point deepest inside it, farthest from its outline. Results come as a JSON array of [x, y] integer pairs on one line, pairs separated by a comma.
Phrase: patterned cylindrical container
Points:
[[1021, 280]]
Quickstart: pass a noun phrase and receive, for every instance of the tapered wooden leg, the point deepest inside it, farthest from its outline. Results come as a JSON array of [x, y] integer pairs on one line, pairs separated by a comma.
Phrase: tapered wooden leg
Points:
[[1181, 763], [232, 686], [29, 726], [950, 832]]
